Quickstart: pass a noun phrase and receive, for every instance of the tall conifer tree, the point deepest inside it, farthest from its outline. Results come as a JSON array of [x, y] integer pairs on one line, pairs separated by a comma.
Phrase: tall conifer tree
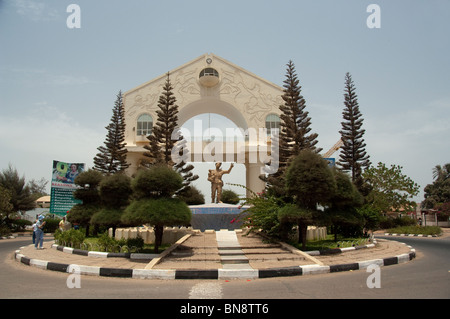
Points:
[[295, 121], [165, 136], [112, 157], [353, 156], [161, 143], [295, 134]]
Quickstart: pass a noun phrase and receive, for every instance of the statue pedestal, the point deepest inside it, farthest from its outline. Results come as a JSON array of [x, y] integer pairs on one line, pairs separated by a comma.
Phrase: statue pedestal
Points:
[[217, 216]]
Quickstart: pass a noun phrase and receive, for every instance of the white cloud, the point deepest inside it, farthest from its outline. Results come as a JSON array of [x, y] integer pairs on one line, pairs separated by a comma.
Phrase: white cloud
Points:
[[32, 141], [35, 11], [31, 76]]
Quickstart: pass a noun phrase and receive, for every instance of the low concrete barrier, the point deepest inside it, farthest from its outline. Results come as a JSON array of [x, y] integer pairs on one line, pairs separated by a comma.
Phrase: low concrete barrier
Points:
[[170, 234], [173, 234]]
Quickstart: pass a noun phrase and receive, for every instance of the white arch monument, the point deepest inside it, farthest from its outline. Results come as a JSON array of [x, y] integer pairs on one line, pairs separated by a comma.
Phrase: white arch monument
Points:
[[208, 84]]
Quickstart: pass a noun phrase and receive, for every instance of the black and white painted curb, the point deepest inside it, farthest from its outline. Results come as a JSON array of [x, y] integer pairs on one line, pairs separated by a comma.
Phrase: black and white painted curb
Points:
[[409, 235], [100, 254], [222, 274], [340, 250]]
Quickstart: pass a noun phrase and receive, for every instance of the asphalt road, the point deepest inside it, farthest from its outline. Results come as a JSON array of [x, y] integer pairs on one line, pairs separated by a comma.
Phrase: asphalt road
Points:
[[425, 277]]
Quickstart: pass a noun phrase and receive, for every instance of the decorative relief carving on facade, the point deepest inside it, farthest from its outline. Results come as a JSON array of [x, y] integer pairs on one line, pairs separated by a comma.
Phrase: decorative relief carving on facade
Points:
[[248, 96], [185, 84]]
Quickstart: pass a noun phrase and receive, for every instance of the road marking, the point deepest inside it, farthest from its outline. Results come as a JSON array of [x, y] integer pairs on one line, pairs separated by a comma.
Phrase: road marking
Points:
[[206, 290]]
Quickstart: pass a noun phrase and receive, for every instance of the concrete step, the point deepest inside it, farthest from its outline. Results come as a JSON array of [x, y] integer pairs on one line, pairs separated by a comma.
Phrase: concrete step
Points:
[[230, 247], [231, 252], [234, 259]]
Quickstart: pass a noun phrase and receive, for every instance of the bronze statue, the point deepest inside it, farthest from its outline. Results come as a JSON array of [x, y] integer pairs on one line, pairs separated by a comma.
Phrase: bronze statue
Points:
[[215, 177]]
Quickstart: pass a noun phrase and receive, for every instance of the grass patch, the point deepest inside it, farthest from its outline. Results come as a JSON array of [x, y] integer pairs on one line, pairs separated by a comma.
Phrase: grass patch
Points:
[[329, 243], [416, 230], [95, 244]]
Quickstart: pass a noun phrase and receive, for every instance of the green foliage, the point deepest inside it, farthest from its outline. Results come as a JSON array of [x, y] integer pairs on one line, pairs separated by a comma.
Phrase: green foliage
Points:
[[88, 193], [6, 207], [389, 222], [342, 214], [295, 132], [51, 225], [115, 190], [353, 157], [263, 215], [438, 192], [158, 181], [390, 188], [81, 214], [346, 194], [137, 242], [300, 216], [88, 181], [71, 238], [106, 243], [443, 211], [19, 224], [310, 180], [331, 243], [295, 120], [295, 214], [371, 216], [191, 196], [160, 211], [20, 196], [154, 203], [112, 158], [161, 143], [230, 197], [107, 217]]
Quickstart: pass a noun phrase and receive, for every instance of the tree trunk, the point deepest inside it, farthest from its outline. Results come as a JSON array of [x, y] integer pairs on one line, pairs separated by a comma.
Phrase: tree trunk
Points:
[[158, 236], [302, 229], [335, 232]]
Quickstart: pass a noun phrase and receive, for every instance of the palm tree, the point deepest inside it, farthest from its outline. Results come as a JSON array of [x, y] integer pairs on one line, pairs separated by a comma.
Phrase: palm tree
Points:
[[441, 173]]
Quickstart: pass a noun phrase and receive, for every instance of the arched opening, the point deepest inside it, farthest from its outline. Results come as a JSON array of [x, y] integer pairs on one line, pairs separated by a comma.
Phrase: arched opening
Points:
[[206, 106], [207, 128]]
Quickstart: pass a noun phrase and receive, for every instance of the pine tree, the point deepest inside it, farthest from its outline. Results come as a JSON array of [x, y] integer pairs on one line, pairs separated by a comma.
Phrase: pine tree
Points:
[[161, 143], [295, 134], [295, 122], [165, 136], [180, 156], [112, 158], [353, 156]]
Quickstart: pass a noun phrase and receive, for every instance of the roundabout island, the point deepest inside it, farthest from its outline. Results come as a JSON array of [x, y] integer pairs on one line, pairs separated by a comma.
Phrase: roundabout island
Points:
[[222, 255]]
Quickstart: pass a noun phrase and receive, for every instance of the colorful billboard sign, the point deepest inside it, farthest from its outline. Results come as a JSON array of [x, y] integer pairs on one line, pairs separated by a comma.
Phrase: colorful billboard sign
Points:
[[63, 186]]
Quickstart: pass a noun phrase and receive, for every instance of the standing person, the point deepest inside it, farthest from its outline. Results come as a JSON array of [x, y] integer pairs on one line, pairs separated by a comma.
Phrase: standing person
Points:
[[34, 231], [61, 223], [39, 233]]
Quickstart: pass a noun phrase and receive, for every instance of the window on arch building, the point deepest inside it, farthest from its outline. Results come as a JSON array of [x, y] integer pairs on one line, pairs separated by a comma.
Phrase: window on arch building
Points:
[[144, 125], [272, 122]]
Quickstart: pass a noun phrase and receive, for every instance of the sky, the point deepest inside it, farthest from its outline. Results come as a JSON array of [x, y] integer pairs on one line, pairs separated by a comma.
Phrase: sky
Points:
[[58, 84]]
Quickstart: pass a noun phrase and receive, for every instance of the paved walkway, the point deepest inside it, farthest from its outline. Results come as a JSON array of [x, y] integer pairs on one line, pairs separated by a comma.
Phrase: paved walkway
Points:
[[222, 251]]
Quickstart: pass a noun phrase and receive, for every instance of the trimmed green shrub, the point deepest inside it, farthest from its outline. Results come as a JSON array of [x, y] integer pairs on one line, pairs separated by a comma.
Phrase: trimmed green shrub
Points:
[[229, 197], [71, 238]]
